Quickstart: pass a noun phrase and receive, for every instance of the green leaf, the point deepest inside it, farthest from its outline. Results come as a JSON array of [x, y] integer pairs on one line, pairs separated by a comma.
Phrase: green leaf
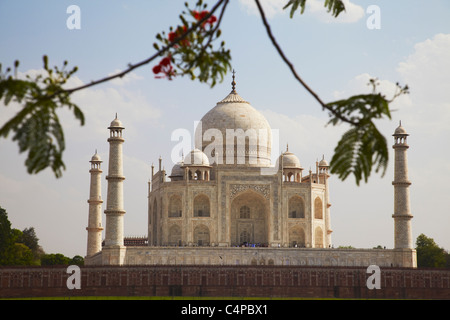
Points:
[[45, 59], [358, 151], [360, 108], [362, 148], [295, 4], [333, 6], [36, 127]]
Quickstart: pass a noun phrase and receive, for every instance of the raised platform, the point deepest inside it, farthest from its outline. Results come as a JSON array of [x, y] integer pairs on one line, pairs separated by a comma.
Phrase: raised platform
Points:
[[146, 255]]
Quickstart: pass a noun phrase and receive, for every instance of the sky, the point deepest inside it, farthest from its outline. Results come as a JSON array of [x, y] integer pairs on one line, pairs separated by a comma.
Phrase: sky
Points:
[[336, 57]]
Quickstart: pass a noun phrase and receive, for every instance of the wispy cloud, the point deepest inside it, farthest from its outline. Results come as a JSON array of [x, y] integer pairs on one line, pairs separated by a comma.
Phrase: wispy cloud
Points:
[[271, 7]]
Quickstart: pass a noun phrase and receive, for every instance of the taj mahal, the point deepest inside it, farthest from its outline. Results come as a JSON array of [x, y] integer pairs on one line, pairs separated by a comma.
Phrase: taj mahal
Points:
[[225, 203]]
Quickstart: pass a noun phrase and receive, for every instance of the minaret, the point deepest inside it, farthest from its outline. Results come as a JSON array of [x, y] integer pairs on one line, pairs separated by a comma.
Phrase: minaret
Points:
[[324, 172], [402, 212], [114, 203], [94, 228]]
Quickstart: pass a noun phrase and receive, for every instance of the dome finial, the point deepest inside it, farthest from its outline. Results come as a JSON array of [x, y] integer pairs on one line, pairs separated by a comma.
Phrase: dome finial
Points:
[[233, 83]]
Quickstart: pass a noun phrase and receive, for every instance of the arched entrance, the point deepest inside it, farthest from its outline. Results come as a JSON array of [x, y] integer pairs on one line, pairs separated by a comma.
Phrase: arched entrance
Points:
[[249, 225], [297, 237], [201, 236], [175, 235], [154, 222]]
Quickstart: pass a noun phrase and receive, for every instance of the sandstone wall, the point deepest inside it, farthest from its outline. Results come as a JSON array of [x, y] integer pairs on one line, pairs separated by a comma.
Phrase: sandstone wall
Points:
[[226, 281]]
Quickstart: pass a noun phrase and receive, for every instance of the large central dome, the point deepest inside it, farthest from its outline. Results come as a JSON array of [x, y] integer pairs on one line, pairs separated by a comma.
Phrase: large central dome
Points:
[[235, 133]]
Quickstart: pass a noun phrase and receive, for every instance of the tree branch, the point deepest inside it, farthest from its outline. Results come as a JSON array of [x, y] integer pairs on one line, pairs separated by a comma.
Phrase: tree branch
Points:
[[131, 67], [294, 72], [211, 32]]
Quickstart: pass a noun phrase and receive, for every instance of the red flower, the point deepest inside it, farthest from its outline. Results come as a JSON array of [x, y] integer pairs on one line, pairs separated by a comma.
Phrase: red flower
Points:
[[178, 33], [211, 20], [165, 62], [195, 14], [172, 36], [165, 67], [157, 69], [200, 15]]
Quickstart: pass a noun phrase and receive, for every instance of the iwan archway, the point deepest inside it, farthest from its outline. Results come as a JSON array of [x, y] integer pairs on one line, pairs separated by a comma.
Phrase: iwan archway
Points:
[[249, 225]]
